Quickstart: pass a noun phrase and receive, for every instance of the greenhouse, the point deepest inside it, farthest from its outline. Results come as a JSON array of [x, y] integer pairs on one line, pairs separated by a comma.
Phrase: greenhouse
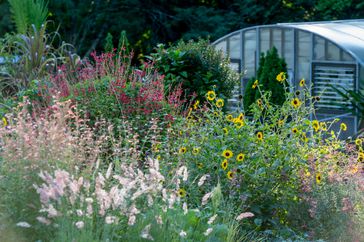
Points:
[[323, 53]]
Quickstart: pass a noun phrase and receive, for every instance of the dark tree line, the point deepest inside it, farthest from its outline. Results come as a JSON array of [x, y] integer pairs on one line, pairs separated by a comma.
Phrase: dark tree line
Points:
[[85, 23]]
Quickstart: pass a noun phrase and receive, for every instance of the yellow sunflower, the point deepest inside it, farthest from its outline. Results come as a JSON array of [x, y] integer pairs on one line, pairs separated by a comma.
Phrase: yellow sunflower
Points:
[[5, 122], [318, 178], [260, 135], [358, 142], [295, 130], [195, 151], [343, 127], [281, 77], [296, 103], [229, 118], [230, 175], [182, 150], [316, 125], [239, 124], [302, 82], [195, 106], [227, 154], [181, 192], [224, 164], [211, 95], [304, 137], [360, 157], [323, 126], [255, 84], [226, 131], [280, 122], [220, 103], [241, 117], [240, 157]]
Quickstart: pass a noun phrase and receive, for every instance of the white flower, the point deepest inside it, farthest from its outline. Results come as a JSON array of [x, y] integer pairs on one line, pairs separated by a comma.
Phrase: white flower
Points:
[[185, 209], [206, 197], [182, 171], [212, 219], [244, 215], [110, 219], [79, 212], [23, 225], [208, 231], [131, 220], [159, 219], [183, 234], [43, 220], [109, 170], [80, 224], [145, 234], [202, 180]]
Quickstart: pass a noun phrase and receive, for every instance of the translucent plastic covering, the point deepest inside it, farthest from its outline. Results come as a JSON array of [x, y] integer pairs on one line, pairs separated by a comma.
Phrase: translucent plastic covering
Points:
[[346, 34]]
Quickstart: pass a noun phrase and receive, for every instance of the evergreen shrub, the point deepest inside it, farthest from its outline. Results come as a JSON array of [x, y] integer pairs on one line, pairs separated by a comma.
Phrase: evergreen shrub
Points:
[[270, 65]]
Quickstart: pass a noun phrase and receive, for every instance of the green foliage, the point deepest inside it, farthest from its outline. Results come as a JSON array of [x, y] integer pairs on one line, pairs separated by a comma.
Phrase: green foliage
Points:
[[196, 66], [270, 65], [354, 100], [32, 56], [108, 46], [123, 43], [27, 13], [274, 147], [249, 94]]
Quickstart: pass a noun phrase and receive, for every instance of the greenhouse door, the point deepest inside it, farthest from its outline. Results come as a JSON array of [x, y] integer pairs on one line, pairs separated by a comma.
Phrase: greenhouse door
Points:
[[340, 76], [330, 105]]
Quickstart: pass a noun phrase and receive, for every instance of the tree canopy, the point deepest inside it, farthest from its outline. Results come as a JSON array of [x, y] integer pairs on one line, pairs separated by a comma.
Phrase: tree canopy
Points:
[[85, 24]]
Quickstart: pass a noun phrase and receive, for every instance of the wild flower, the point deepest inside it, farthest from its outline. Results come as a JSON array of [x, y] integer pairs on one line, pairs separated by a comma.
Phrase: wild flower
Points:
[[296, 103], [281, 77], [206, 197], [183, 234], [23, 225], [145, 234], [255, 84], [202, 180], [208, 231], [227, 154], [211, 95], [224, 164], [302, 83], [343, 127], [212, 219], [244, 215], [219, 103], [80, 224], [240, 157]]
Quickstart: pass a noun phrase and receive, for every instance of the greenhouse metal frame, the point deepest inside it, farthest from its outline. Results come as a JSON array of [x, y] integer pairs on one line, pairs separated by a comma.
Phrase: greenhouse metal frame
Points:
[[323, 53]]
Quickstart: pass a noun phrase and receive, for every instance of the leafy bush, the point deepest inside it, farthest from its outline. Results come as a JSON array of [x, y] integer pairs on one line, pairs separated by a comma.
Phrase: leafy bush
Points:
[[197, 66], [258, 161], [270, 67]]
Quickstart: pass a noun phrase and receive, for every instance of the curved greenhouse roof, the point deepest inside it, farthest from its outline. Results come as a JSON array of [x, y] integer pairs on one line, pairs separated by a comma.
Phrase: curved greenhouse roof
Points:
[[347, 34]]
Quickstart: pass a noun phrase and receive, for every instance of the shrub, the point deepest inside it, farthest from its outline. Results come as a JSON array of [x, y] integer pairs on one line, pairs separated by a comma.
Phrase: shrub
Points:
[[197, 66], [270, 66], [258, 161]]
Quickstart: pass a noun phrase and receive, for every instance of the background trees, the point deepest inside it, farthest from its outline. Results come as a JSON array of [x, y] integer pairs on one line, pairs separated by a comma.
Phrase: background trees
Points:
[[85, 23]]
